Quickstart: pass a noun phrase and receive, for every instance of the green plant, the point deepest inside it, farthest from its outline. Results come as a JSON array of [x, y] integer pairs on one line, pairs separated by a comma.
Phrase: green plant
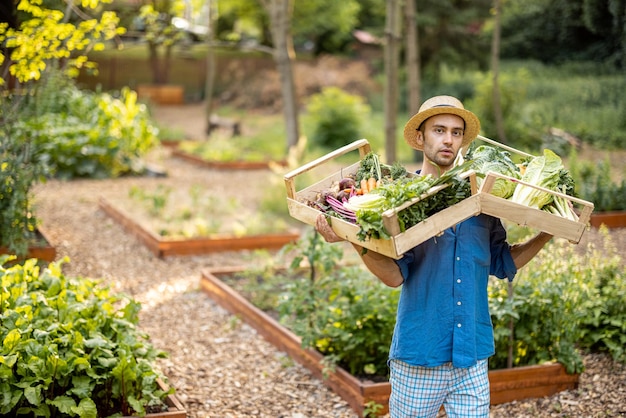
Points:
[[20, 167], [562, 302], [337, 117], [342, 311], [595, 183], [86, 134], [70, 348]]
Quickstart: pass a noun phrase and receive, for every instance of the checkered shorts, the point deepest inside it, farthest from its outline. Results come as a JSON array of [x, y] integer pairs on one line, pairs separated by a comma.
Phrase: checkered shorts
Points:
[[421, 391]]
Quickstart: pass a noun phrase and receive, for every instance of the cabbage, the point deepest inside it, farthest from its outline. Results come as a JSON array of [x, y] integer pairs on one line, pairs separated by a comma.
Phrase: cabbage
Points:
[[543, 171], [485, 159]]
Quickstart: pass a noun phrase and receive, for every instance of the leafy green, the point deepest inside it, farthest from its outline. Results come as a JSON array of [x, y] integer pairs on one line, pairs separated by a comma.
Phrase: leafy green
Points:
[[543, 171], [371, 166], [487, 158], [400, 191], [72, 349]]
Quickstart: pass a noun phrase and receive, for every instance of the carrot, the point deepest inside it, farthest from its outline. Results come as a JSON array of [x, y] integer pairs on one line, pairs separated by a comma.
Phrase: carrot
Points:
[[364, 186], [371, 184]]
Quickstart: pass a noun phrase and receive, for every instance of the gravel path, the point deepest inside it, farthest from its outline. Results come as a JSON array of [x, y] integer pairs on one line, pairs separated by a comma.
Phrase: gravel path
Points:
[[220, 366]]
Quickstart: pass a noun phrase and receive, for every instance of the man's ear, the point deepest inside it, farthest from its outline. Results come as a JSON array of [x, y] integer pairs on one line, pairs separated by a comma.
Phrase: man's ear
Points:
[[420, 138]]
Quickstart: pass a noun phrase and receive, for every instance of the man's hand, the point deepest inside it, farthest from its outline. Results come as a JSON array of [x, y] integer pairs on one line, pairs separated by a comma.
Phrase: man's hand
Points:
[[323, 227]]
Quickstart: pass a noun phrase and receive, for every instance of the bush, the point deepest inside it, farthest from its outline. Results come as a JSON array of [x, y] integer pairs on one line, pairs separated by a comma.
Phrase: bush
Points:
[[594, 182], [86, 134], [336, 117], [563, 301], [344, 312], [72, 349]]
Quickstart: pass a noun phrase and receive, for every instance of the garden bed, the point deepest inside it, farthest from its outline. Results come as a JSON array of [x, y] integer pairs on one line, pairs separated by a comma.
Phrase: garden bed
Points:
[[506, 385], [41, 250], [175, 408], [613, 219], [201, 245], [225, 165]]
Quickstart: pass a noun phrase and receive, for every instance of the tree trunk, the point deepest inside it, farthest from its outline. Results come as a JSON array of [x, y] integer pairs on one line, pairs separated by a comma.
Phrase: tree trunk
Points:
[[157, 76], [392, 36], [495, 69], [413, 62], [210, 65], [280, 18]]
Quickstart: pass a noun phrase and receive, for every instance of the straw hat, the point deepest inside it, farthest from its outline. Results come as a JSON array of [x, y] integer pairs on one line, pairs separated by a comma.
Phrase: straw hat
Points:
[[441, 105]]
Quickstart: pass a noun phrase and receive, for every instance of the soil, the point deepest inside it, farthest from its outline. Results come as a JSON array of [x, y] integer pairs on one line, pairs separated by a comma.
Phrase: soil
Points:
[[219, 366]]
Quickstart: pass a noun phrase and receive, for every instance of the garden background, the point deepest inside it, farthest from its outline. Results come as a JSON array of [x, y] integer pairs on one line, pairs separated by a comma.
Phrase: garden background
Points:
[[75, 141]]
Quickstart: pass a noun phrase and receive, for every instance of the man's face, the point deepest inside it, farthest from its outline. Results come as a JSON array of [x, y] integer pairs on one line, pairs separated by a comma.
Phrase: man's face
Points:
[[441, 137]]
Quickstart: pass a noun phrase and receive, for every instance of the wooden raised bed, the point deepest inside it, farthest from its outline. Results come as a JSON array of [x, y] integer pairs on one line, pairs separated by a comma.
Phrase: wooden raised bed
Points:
[[225, 165], [43, 252], [613, 219], [194, 246], [506, 385], [175, 409]]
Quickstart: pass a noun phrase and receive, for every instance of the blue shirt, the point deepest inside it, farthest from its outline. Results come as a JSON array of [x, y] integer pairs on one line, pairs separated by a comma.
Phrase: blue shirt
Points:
[[443, 312]]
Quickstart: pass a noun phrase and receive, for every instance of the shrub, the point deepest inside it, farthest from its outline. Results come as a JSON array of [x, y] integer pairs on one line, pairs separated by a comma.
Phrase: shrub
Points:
[[344, 312], [86, 134], [337, 117], [70, 348], [594, 183], [568, 300], [563, 301]]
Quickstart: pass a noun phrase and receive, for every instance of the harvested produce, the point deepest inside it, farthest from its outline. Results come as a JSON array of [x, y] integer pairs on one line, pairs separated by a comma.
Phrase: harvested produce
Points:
[[383, 187], [486, 158]]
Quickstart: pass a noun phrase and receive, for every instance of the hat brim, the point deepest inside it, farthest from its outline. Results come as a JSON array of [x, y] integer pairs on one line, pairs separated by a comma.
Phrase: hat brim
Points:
[[472, 124]]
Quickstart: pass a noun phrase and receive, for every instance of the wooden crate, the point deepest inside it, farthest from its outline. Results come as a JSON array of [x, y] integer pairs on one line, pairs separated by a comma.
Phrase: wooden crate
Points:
[[531, 217], [535, 218], [400, 242]]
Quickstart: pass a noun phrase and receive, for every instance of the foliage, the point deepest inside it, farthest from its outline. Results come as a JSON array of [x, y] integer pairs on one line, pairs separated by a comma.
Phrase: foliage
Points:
[[20, 167], [557, 31], [566, 301], [86, 134], [337, 117], [46, 37], [513, 92], [72, 349], [342, 311], [594, 182], [563, 301], [155, 21]]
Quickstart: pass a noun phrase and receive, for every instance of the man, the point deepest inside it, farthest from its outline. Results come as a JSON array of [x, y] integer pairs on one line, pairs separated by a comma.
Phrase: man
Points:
[[443, 334]]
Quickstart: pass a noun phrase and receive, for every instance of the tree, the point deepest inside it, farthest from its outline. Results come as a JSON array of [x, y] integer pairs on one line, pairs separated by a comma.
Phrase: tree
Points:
[[495, 71], [280, 12], [392, 58], [555, 31], [47, 37], [161, 35], [413, 62]]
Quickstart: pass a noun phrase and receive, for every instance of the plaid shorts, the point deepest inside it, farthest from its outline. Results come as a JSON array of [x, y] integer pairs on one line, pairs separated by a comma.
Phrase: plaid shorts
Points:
[[421, 391]]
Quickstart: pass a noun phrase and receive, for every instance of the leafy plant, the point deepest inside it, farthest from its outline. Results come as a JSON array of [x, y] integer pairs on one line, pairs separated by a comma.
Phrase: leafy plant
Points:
[[70, 348], [342, 311], [86, 134], [566, 301], [337, 117], [562, 302], [595, 183]]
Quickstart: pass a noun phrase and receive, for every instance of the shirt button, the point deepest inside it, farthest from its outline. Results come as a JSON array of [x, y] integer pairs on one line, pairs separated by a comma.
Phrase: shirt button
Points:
[[459, 303], [458, 325], [458, 258], [458, 280]]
